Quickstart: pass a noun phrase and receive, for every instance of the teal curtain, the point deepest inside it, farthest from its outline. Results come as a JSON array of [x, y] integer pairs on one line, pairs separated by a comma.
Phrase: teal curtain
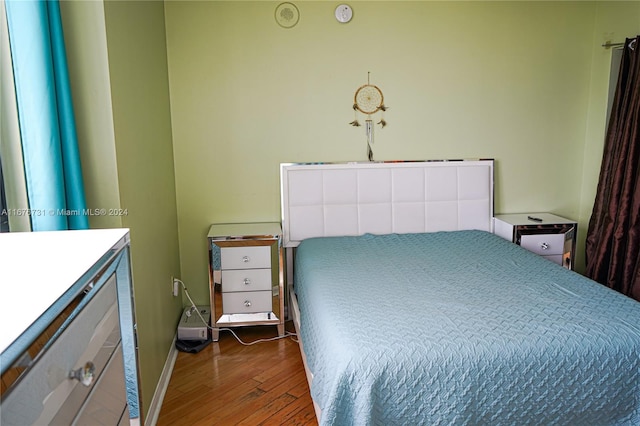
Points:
[[53, 173]]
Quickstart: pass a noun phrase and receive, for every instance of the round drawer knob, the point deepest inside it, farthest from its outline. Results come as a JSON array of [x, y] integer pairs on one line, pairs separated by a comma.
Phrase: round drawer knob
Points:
[[246, 281], [245, 259], [247, 303], [544, 246], [84, 374]]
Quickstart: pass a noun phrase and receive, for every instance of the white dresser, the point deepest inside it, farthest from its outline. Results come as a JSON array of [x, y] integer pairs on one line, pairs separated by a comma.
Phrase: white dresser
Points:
[[68, 349], [246, 275]]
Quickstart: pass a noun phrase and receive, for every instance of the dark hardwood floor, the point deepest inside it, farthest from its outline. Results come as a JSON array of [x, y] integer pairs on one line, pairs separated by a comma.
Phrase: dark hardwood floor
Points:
[[231, 384]]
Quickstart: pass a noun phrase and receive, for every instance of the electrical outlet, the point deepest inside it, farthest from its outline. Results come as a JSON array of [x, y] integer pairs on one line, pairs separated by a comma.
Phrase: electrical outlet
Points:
[[175, 286]]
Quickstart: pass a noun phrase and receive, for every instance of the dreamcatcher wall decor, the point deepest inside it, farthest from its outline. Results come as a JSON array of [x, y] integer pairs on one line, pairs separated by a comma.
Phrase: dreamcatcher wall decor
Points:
[[369, 100]]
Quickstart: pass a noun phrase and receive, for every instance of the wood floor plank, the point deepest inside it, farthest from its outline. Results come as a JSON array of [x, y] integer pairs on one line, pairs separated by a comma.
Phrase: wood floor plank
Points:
[[228, 383], [303, 417], [291, 411], [274, 380], [263, 400], [298, 386], [267, 411]]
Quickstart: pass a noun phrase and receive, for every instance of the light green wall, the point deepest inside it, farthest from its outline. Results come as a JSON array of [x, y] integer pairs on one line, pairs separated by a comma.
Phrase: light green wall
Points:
[[142, 123], [118, 68], [506, 80]]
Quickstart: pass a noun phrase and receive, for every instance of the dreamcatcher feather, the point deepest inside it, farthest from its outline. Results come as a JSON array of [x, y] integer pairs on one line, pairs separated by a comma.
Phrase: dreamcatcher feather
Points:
[[368, 100]]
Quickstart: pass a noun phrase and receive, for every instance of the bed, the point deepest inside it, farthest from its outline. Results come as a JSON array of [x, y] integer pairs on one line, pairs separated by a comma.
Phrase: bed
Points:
[[411, 311]]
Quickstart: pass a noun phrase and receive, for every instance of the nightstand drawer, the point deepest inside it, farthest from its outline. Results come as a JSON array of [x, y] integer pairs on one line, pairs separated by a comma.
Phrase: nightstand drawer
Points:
[[245, 257], [543, 244], [246, 280], [246, 302]]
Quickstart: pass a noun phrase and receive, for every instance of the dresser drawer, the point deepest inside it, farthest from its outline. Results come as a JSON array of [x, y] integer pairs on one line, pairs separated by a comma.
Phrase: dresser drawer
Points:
[[46, 394], [250, 257], [246, 280], [246, 302], [544, 244]]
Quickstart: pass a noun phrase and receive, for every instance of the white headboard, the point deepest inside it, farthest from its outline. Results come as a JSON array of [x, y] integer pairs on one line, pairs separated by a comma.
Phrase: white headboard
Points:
[[336, 199]]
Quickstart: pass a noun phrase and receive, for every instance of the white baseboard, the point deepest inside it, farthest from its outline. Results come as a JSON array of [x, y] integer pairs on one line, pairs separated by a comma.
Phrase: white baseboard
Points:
[[163, 383]]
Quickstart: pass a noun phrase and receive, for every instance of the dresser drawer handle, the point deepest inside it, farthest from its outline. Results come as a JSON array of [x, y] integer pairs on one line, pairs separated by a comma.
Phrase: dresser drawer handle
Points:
[[247, 303], [246, 281], [84, 374], [246, 259], [544, 246]]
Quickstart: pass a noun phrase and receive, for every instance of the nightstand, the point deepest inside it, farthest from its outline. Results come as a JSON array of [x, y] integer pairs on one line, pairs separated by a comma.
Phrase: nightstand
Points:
[[551, 236], [246, 276]]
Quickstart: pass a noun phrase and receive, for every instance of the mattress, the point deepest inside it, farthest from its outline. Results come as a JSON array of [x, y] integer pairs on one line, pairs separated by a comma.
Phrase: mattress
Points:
[[462, 328]]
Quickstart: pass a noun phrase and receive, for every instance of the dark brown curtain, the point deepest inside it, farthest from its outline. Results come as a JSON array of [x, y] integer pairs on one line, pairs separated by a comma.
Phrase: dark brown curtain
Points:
[[613, 237]]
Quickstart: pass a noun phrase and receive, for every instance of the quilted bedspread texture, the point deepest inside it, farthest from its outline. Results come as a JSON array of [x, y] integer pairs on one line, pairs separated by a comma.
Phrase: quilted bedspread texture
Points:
[[462, 328]]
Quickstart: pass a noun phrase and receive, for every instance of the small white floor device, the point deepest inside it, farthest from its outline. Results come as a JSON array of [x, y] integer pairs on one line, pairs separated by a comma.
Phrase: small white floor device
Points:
[[191, 326]]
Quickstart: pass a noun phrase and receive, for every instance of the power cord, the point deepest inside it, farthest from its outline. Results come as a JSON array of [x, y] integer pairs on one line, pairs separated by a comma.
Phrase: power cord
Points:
[[194, 308], [286, 334]]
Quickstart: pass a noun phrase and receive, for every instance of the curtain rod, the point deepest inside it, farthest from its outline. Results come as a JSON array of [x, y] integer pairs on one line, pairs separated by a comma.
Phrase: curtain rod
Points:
[[632, 45]]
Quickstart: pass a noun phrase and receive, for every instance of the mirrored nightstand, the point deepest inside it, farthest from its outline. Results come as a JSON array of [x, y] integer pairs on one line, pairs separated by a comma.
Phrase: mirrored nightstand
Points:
[[246, 276], [551, 236]]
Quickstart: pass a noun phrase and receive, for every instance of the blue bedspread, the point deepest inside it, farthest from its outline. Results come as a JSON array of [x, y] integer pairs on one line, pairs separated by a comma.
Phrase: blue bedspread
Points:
[[457, 328]]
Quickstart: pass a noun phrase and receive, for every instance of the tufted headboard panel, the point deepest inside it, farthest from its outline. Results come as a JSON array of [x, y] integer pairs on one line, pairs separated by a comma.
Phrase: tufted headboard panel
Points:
[[336, 199]]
